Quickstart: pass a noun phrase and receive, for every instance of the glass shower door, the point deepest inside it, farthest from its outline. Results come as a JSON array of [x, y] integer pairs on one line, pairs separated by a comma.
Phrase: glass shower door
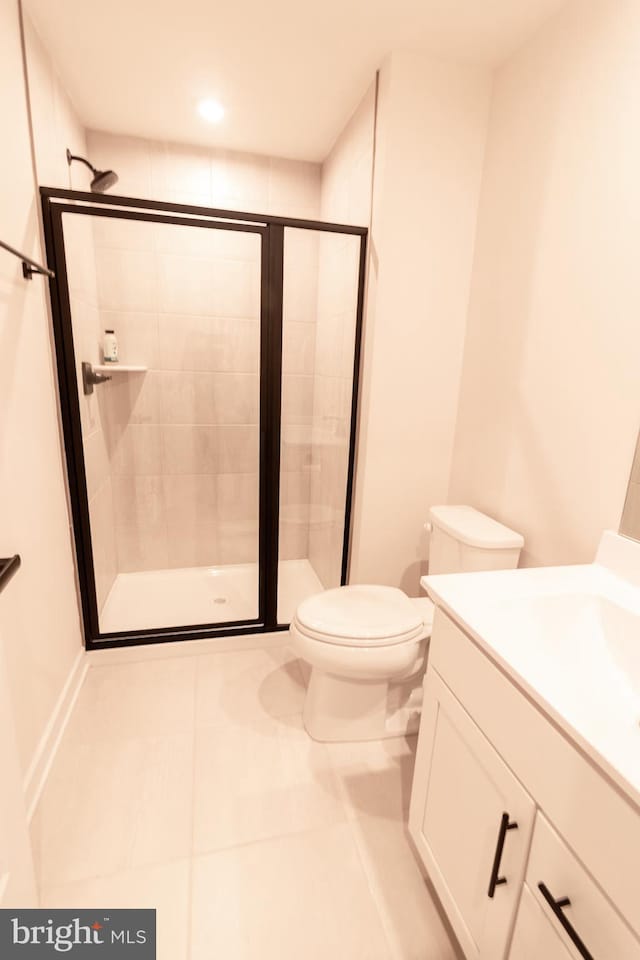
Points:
[[321, 287], [171, 441]]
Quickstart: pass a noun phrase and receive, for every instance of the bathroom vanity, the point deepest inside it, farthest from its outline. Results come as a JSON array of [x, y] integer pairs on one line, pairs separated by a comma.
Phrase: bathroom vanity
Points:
[[525, 808]]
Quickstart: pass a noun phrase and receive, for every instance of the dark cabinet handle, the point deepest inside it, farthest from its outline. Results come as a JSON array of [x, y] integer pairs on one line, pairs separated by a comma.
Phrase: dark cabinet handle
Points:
[[496, 880], [557, 907]]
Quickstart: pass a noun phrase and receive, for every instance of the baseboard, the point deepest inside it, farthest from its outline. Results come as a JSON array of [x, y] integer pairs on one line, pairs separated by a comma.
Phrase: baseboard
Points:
[[38, 771], [187, 648]]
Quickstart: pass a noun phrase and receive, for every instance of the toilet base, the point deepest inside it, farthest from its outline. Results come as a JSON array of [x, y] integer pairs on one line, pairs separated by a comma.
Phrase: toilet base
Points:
[[339, 709]]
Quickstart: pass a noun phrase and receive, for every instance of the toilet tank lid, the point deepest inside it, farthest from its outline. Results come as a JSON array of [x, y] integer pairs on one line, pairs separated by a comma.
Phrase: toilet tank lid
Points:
[[474, 528]]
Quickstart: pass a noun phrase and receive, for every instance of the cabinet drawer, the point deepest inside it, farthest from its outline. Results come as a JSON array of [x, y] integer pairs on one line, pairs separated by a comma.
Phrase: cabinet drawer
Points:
[[589, 913], [600, 824], [535, 938]]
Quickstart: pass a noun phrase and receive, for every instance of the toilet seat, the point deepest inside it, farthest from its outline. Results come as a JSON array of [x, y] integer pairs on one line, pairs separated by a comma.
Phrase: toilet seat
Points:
[[360, 616]]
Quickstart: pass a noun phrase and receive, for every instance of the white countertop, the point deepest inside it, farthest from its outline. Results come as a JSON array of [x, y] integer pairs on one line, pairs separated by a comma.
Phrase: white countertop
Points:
[[570, 638]]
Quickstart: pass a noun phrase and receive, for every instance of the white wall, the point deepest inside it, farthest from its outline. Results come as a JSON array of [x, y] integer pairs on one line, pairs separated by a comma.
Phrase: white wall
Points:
[[550, 398], [38, 612], [431, 125]]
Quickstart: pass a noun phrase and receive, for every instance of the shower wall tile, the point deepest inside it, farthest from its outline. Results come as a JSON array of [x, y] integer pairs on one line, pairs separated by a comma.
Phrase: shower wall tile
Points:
[[112, 234], [134, 398], [297, 398], [236, 290], [141, 523], [103, 540], [192, 530], [238, 517], [294, 515], [96, 461], [238, 449], [136, 450], [294, 188], [181, 166], [185, 302], [130, 157], [209, 398], [127, 280], [184, 241], [238, 502], [300, 280], [186, 285], [298, 348], [242, 183], [191, 499], [190, 449], [196, 449], [209, 344], [236, 245]]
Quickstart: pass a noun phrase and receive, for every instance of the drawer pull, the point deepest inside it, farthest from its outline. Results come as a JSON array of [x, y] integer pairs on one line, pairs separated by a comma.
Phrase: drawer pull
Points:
[[558, 906], [496, 880]]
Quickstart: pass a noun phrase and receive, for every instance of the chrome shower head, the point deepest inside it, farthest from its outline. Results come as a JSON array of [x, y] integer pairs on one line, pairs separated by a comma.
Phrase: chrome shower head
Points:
[[102, 179]]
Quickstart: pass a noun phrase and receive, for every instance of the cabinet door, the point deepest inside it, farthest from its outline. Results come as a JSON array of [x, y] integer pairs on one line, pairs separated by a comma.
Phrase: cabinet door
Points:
[[534, 936], [463, 799]]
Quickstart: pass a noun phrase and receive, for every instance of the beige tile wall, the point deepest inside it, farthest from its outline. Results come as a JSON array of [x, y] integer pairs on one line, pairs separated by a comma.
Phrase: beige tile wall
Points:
[[183, 438]]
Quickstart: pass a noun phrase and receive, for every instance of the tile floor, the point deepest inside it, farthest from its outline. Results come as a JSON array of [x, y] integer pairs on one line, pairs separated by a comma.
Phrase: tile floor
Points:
[[189, 785]]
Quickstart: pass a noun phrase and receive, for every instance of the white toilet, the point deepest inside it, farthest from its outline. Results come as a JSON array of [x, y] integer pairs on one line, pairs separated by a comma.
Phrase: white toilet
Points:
[[367, 645]]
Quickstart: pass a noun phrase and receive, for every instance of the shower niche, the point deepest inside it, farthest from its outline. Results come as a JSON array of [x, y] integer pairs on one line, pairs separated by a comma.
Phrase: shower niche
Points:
[[211, 467]]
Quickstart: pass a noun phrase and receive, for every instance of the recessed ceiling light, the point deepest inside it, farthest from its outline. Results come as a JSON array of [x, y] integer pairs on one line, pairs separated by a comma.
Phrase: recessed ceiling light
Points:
[[211, 110]]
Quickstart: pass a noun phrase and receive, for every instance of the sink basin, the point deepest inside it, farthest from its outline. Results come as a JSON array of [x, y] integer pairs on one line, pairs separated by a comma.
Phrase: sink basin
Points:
[[591, 644], [570, 637]]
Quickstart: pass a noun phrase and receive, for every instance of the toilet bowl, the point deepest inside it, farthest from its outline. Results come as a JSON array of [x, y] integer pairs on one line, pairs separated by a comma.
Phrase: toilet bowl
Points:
[[367, 645], [362, 641]]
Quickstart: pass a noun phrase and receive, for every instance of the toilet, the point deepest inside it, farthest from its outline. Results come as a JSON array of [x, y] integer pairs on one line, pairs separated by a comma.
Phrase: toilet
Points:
[[367, 644]]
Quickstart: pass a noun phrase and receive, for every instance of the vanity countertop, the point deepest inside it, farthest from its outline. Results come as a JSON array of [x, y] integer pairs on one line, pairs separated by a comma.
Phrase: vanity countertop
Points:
[[570, 638]]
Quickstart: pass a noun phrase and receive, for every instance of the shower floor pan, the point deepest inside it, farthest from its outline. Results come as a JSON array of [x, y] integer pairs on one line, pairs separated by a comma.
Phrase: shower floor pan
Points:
[[195, 595]]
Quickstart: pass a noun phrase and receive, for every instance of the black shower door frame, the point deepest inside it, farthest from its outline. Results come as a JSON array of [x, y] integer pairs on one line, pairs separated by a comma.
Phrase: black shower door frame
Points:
[[271, 229]]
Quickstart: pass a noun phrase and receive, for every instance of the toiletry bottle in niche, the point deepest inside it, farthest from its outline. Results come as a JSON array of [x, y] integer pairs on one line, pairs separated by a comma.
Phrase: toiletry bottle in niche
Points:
[[110, 347]]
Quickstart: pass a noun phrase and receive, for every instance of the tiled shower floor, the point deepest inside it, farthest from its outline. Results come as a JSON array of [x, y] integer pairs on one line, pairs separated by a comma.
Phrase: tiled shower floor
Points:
[[188, 784], [178, 598]]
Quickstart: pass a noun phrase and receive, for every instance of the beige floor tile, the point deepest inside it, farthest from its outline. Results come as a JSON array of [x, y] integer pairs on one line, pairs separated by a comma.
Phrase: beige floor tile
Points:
[[297, 896], [247, 685], [375, 776], [118, 804], [163, 887], [142, 699], [261, 779], [375, 781]]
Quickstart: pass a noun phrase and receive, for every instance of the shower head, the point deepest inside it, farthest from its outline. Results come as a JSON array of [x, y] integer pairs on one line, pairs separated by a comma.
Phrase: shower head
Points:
[[102, 179]]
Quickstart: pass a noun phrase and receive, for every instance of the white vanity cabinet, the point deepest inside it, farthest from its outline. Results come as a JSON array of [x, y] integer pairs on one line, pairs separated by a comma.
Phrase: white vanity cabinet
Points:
[[471, 821], [569, 885]]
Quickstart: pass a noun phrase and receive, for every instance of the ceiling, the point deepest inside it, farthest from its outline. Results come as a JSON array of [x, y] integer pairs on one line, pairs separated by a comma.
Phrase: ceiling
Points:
[[289, 72]]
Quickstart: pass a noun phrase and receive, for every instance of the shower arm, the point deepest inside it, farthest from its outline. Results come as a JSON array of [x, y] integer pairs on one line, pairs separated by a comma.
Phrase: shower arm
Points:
[[71, 156]]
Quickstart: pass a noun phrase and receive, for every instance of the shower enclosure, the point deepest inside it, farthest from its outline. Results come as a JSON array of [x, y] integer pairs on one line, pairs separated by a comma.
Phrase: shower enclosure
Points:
[[211, 468]]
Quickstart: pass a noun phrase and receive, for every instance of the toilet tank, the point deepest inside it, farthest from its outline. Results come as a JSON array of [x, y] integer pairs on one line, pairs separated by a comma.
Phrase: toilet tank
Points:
[[464, 540]]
